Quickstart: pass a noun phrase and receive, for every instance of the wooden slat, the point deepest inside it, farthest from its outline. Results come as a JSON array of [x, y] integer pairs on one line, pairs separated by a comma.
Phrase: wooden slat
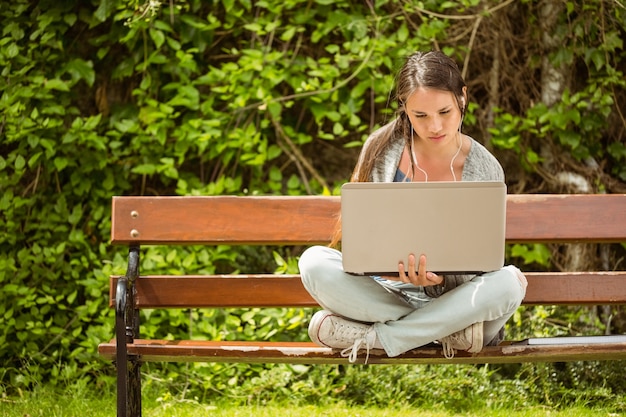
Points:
[[309, 353], [566, 218], [311, 219], [578, 288], [223, 219], [219, 291]]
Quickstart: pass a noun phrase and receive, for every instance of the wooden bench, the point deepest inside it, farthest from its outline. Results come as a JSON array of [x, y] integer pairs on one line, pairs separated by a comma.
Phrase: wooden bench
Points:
[[309, 220]]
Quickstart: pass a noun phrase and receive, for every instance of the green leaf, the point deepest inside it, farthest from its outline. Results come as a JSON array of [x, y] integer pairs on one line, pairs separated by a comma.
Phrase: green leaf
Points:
[[174, 44], [275, 109], [616, 149], [104, 10], [275, 174], [12, 50], [157, 37], [288, 34], [70, 19], [60, 163], [532, 157], [571, 139], [144, 169], [34, 159], [294, 182], [81, 70], [76, 215], [126, 125], [532, 253], [20, 163], [273, 151], [254, 27], [56, 84]]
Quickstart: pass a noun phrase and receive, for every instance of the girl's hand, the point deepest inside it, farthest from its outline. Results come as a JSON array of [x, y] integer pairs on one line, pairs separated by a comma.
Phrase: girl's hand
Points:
[[421, 278]]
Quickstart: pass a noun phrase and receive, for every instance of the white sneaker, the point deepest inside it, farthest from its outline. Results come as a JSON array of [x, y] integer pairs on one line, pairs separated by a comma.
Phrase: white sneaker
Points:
[[469, 339], [333, 331]]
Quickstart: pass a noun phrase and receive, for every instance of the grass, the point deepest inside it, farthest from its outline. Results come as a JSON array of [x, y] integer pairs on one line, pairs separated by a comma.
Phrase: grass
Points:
[[283, 391], [197, 410], [46, 402]]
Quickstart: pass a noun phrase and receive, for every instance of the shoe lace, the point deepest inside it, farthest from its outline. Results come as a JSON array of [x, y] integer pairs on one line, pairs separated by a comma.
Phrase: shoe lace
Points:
[[361, 340], [448, 350], [450, 343], [458, 340], [352, 352]]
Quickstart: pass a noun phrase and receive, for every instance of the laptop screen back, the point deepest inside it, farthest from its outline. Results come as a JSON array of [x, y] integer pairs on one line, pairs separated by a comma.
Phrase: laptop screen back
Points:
[[459, 226]]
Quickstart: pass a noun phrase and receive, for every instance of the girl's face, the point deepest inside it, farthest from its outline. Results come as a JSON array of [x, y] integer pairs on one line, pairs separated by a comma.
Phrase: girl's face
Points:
[[435, 116]]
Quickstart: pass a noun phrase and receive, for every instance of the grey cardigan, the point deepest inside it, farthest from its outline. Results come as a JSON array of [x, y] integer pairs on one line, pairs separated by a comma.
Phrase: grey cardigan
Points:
[[480, 164]]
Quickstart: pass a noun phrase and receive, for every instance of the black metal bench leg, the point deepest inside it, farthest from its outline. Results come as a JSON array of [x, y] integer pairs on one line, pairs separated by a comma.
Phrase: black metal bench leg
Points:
[[128, 382], [126, 329], [121, 359], [134, 388]]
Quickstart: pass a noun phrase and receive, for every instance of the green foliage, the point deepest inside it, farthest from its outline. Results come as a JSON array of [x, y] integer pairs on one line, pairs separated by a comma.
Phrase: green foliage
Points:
[[121, 97], [453, 388], [531, 254], [126, 97], [575, 124]]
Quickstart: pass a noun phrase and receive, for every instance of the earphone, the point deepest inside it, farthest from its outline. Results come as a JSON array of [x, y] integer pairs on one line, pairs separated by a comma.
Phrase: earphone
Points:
[[462, 112]]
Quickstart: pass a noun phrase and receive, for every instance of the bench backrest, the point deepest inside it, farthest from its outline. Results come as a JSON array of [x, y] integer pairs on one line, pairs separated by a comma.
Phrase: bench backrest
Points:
[[309, 220]]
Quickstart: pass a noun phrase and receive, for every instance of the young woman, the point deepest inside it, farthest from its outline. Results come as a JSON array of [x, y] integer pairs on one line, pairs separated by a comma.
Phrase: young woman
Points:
[[462, 312]]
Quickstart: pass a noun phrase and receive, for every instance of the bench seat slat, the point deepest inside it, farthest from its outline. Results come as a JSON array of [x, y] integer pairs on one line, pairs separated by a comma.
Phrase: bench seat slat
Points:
[[309, 353], [287, 291], [311, 219]]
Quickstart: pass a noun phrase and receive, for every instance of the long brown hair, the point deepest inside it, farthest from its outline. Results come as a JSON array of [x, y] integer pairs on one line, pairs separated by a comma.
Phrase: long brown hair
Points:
[[431, 69]]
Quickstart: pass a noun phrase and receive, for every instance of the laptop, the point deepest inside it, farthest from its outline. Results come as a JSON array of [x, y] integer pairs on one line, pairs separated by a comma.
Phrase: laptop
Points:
[[459, 226]]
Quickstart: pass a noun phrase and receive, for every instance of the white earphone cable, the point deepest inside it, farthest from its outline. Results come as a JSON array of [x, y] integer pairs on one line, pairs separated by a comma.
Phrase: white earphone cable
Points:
[[416, 165]]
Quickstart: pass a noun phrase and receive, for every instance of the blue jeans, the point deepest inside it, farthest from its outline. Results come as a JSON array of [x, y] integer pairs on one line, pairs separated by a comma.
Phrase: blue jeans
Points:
[[404, 317]]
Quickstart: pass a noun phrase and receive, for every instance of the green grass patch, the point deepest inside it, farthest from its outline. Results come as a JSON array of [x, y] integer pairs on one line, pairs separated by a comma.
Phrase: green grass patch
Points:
[[50, 404], [529, 390], [100, 402]]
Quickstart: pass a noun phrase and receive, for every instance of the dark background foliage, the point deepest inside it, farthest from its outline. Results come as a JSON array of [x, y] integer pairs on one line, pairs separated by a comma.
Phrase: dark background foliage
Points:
[[125, 97]]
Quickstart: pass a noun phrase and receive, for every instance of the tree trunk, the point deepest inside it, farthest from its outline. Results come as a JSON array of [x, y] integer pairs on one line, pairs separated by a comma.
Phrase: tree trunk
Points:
[[553, 83]]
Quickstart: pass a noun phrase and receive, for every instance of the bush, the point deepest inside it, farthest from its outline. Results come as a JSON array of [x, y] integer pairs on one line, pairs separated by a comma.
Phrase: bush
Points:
[[238, 97]]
